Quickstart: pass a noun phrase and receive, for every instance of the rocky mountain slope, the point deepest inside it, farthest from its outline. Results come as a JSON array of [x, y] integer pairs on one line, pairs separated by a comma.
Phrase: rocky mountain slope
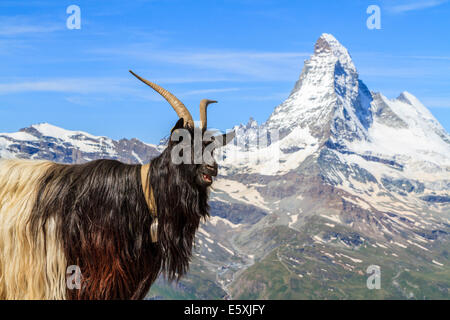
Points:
[[344, 179], [338, 179]]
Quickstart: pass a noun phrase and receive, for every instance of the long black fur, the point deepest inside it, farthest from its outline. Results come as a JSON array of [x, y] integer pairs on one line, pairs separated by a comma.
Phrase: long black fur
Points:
[[103, 222], [181, 204]]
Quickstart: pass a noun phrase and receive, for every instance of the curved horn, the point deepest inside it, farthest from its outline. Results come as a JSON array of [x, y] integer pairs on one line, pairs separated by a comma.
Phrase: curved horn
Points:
[[176, 104], [203, 117]]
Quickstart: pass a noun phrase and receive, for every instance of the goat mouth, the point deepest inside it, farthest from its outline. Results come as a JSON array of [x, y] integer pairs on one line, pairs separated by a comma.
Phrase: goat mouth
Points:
[[207, 178]]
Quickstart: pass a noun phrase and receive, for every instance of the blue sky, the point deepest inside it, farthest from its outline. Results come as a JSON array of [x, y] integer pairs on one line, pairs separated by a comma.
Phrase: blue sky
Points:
[[246, 54]]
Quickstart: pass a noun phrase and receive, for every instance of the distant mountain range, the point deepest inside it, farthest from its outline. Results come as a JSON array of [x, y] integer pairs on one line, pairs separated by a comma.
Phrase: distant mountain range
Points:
[[358, 180], [47, 142]]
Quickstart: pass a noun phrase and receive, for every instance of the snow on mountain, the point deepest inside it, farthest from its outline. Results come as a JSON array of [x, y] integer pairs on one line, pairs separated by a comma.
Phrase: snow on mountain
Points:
[[45, 141], [328, 98], [327, 104], [273, 158], [414, 139], [342, 168], [330, 110]]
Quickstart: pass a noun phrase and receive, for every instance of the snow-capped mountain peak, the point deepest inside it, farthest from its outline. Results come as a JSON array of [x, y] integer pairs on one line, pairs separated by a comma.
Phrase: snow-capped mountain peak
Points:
[[328, 98], [419, 111], [49, 130], [404, 128], [330, 110], [327, 44], [46, 141]]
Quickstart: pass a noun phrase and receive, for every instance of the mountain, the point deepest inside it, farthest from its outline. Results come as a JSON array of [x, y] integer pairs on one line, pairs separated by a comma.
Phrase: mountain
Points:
[[47, 142], [338, 179]]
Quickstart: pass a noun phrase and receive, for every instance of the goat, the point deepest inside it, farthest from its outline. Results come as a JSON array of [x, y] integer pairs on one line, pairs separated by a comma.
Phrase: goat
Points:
[[122, 225]]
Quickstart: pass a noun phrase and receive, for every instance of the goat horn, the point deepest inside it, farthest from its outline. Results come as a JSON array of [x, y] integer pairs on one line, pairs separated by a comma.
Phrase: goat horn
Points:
[[203, 117], [176, 104]]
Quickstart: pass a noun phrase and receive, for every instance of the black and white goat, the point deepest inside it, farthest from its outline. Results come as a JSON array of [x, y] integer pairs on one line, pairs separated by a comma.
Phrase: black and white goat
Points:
[[121, 225]]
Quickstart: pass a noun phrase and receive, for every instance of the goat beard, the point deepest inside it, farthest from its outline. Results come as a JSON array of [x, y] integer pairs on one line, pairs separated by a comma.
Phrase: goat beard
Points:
[[180, 204]]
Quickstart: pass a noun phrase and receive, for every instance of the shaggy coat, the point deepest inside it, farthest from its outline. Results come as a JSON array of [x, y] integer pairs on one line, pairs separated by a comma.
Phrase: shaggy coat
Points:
[[119, 225], [96, 216]]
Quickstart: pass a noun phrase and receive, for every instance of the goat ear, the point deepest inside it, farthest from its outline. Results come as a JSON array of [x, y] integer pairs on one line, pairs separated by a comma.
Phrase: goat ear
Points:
[[178, 125]]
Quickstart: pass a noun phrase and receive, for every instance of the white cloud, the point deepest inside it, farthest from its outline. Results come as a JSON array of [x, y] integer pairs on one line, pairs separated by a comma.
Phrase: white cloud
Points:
[[189, 79], [277, 96], [89, 90], [9, 30], [437, 102], [274, 66], [24, 25], [78, 85], [396, 72], [206, 91], [415, 5], [445, 58]]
